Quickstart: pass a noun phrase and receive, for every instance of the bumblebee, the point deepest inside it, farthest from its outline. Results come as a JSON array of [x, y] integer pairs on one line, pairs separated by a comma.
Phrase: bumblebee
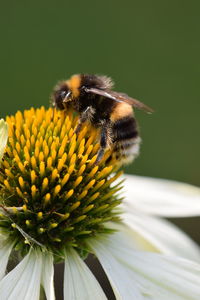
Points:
[[95, 101]]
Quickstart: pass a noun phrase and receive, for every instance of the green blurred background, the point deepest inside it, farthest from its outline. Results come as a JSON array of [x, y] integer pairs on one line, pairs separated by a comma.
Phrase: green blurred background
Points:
[[150, 48]]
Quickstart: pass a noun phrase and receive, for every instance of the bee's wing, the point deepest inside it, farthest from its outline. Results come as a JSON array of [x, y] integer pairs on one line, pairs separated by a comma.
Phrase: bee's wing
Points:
[[119, 97]]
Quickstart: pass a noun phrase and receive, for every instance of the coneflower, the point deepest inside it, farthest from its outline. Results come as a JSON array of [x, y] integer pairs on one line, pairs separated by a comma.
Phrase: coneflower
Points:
[[57, 205]]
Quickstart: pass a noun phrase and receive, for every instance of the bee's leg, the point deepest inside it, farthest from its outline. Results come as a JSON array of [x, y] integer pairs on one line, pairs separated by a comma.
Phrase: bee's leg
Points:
[[104, 140], [87, 114]]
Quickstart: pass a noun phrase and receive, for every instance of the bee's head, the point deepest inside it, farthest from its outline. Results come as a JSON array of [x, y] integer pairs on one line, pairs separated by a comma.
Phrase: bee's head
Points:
[[66, 91], [61, 94]]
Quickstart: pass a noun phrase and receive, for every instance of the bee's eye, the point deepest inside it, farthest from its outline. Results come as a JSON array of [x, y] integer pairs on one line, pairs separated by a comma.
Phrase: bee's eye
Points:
[[63, 94]]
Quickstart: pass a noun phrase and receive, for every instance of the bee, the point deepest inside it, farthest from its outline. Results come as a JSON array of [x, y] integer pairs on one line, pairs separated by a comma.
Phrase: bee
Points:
[[95, 101]]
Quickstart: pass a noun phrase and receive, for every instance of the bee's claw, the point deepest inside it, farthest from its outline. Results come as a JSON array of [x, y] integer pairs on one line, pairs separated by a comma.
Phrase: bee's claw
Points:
[[99, 156]]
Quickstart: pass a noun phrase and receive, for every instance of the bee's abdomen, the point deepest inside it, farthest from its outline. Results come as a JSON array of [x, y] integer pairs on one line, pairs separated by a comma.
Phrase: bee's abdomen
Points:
[[125, 128], [126, 140]]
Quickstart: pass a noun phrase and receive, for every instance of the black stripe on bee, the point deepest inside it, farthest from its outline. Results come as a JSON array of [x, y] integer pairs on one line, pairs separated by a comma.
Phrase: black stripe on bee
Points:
[[125, 128]]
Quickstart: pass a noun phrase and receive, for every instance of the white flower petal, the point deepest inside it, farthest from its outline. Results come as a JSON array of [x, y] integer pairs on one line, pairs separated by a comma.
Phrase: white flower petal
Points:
[[137, 240], [5, 249], [47, 276], [161, 197], [162, 235], [79, 282], [122, 284], [23, 282], [155, 276], [170, 275], [3, 136]]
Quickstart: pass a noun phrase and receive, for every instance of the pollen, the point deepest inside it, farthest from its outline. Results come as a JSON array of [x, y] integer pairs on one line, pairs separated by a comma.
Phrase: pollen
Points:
[[56, 193]]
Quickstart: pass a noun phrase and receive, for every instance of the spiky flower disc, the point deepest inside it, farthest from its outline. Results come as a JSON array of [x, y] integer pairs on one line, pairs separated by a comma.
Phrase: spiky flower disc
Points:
[[51, 192]]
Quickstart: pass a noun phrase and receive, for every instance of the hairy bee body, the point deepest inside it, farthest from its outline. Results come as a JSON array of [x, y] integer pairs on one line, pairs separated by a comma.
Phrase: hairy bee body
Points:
[[92, 97], [126, 139]]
